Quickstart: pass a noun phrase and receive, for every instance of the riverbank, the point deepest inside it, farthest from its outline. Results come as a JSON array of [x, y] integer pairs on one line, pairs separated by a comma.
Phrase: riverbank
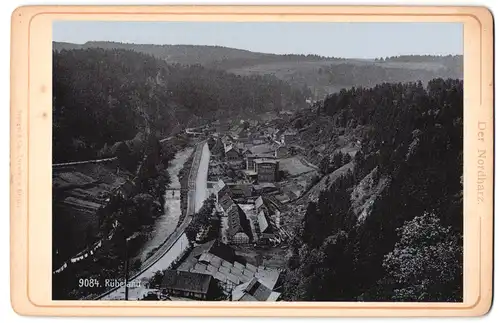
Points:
[[172, 211], [131, 218], [177, 244]]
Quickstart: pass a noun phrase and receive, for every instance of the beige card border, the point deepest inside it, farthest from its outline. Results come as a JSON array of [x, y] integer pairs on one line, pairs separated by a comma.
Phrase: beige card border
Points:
[[30, 178]]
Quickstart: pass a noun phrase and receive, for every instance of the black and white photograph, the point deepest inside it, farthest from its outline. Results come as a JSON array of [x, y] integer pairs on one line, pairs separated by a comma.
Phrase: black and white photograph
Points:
[[257, 161]]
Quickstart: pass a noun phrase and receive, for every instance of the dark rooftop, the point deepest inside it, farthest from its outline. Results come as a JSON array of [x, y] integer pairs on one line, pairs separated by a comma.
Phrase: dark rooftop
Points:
[[186, 281], [216, 248], [266, 161], [257, 290]]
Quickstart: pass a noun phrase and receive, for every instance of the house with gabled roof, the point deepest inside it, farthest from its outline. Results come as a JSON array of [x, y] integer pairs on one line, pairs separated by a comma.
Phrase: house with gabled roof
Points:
[[254, 290], [266, 229], [221, 262], [267, 170], [239, 231], [241, 190], [225, 202], [215, 248], [266, 187], [264, 226], [231, 153], [218, 148], [220, 189], [188, 284], [259, 204], [289, 136], [246, 152], [281, 152]]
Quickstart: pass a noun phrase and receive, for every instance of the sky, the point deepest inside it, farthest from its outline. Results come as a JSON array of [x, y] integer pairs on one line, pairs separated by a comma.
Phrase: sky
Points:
[[349, 40]]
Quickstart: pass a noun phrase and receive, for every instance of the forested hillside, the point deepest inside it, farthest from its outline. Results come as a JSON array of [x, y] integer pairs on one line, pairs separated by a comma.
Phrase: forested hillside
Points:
[[423, 58], [390, 229], [322, 75], [209, 56], [104, 96]]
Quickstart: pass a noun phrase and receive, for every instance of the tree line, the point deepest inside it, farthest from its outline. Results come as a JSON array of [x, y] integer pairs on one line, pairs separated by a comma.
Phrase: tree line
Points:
[[421, 58], [348, 74], [407, 244]]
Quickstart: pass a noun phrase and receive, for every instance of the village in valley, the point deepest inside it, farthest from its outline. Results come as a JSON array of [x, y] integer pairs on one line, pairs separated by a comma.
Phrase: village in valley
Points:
[[255, 170], [189, 172], [223, 234]]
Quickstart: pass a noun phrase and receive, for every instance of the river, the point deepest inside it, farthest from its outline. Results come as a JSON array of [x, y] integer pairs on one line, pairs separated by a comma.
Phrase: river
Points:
[[166, 224]]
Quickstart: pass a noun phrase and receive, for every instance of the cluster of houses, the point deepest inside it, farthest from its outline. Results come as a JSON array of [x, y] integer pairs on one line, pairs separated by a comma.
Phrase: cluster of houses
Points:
[[244, 176], [245, 168], [214, 271], [252, 221], [259, 162]]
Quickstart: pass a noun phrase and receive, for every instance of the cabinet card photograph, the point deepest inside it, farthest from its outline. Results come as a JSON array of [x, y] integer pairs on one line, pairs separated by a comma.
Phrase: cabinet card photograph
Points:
[[270, 161]]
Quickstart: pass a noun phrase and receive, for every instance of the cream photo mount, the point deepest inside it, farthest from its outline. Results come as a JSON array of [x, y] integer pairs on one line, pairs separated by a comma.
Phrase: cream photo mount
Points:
[[31, 160]]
